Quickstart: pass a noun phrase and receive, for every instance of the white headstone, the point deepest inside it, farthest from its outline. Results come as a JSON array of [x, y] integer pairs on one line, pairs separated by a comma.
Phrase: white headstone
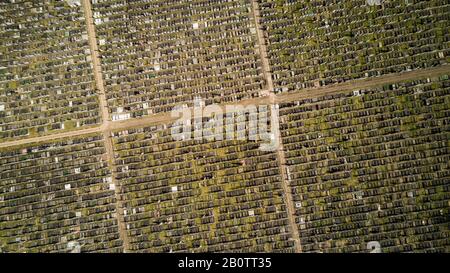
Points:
[[74, 3], [107, 179]]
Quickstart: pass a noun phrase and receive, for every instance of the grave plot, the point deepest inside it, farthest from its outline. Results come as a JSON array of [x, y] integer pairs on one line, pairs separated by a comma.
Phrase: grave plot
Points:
[[371, 166], [57, 197], [200, 195], [159, 54], [46, 81], [322, 42]]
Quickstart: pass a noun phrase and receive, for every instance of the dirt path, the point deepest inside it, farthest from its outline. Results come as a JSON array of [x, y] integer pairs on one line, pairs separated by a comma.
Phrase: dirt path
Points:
[[50, 137], [104, 128], [97, 70], [288, 196], [280, 152], [120, 216], [363, 83], [164, 118], [262, 50]]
